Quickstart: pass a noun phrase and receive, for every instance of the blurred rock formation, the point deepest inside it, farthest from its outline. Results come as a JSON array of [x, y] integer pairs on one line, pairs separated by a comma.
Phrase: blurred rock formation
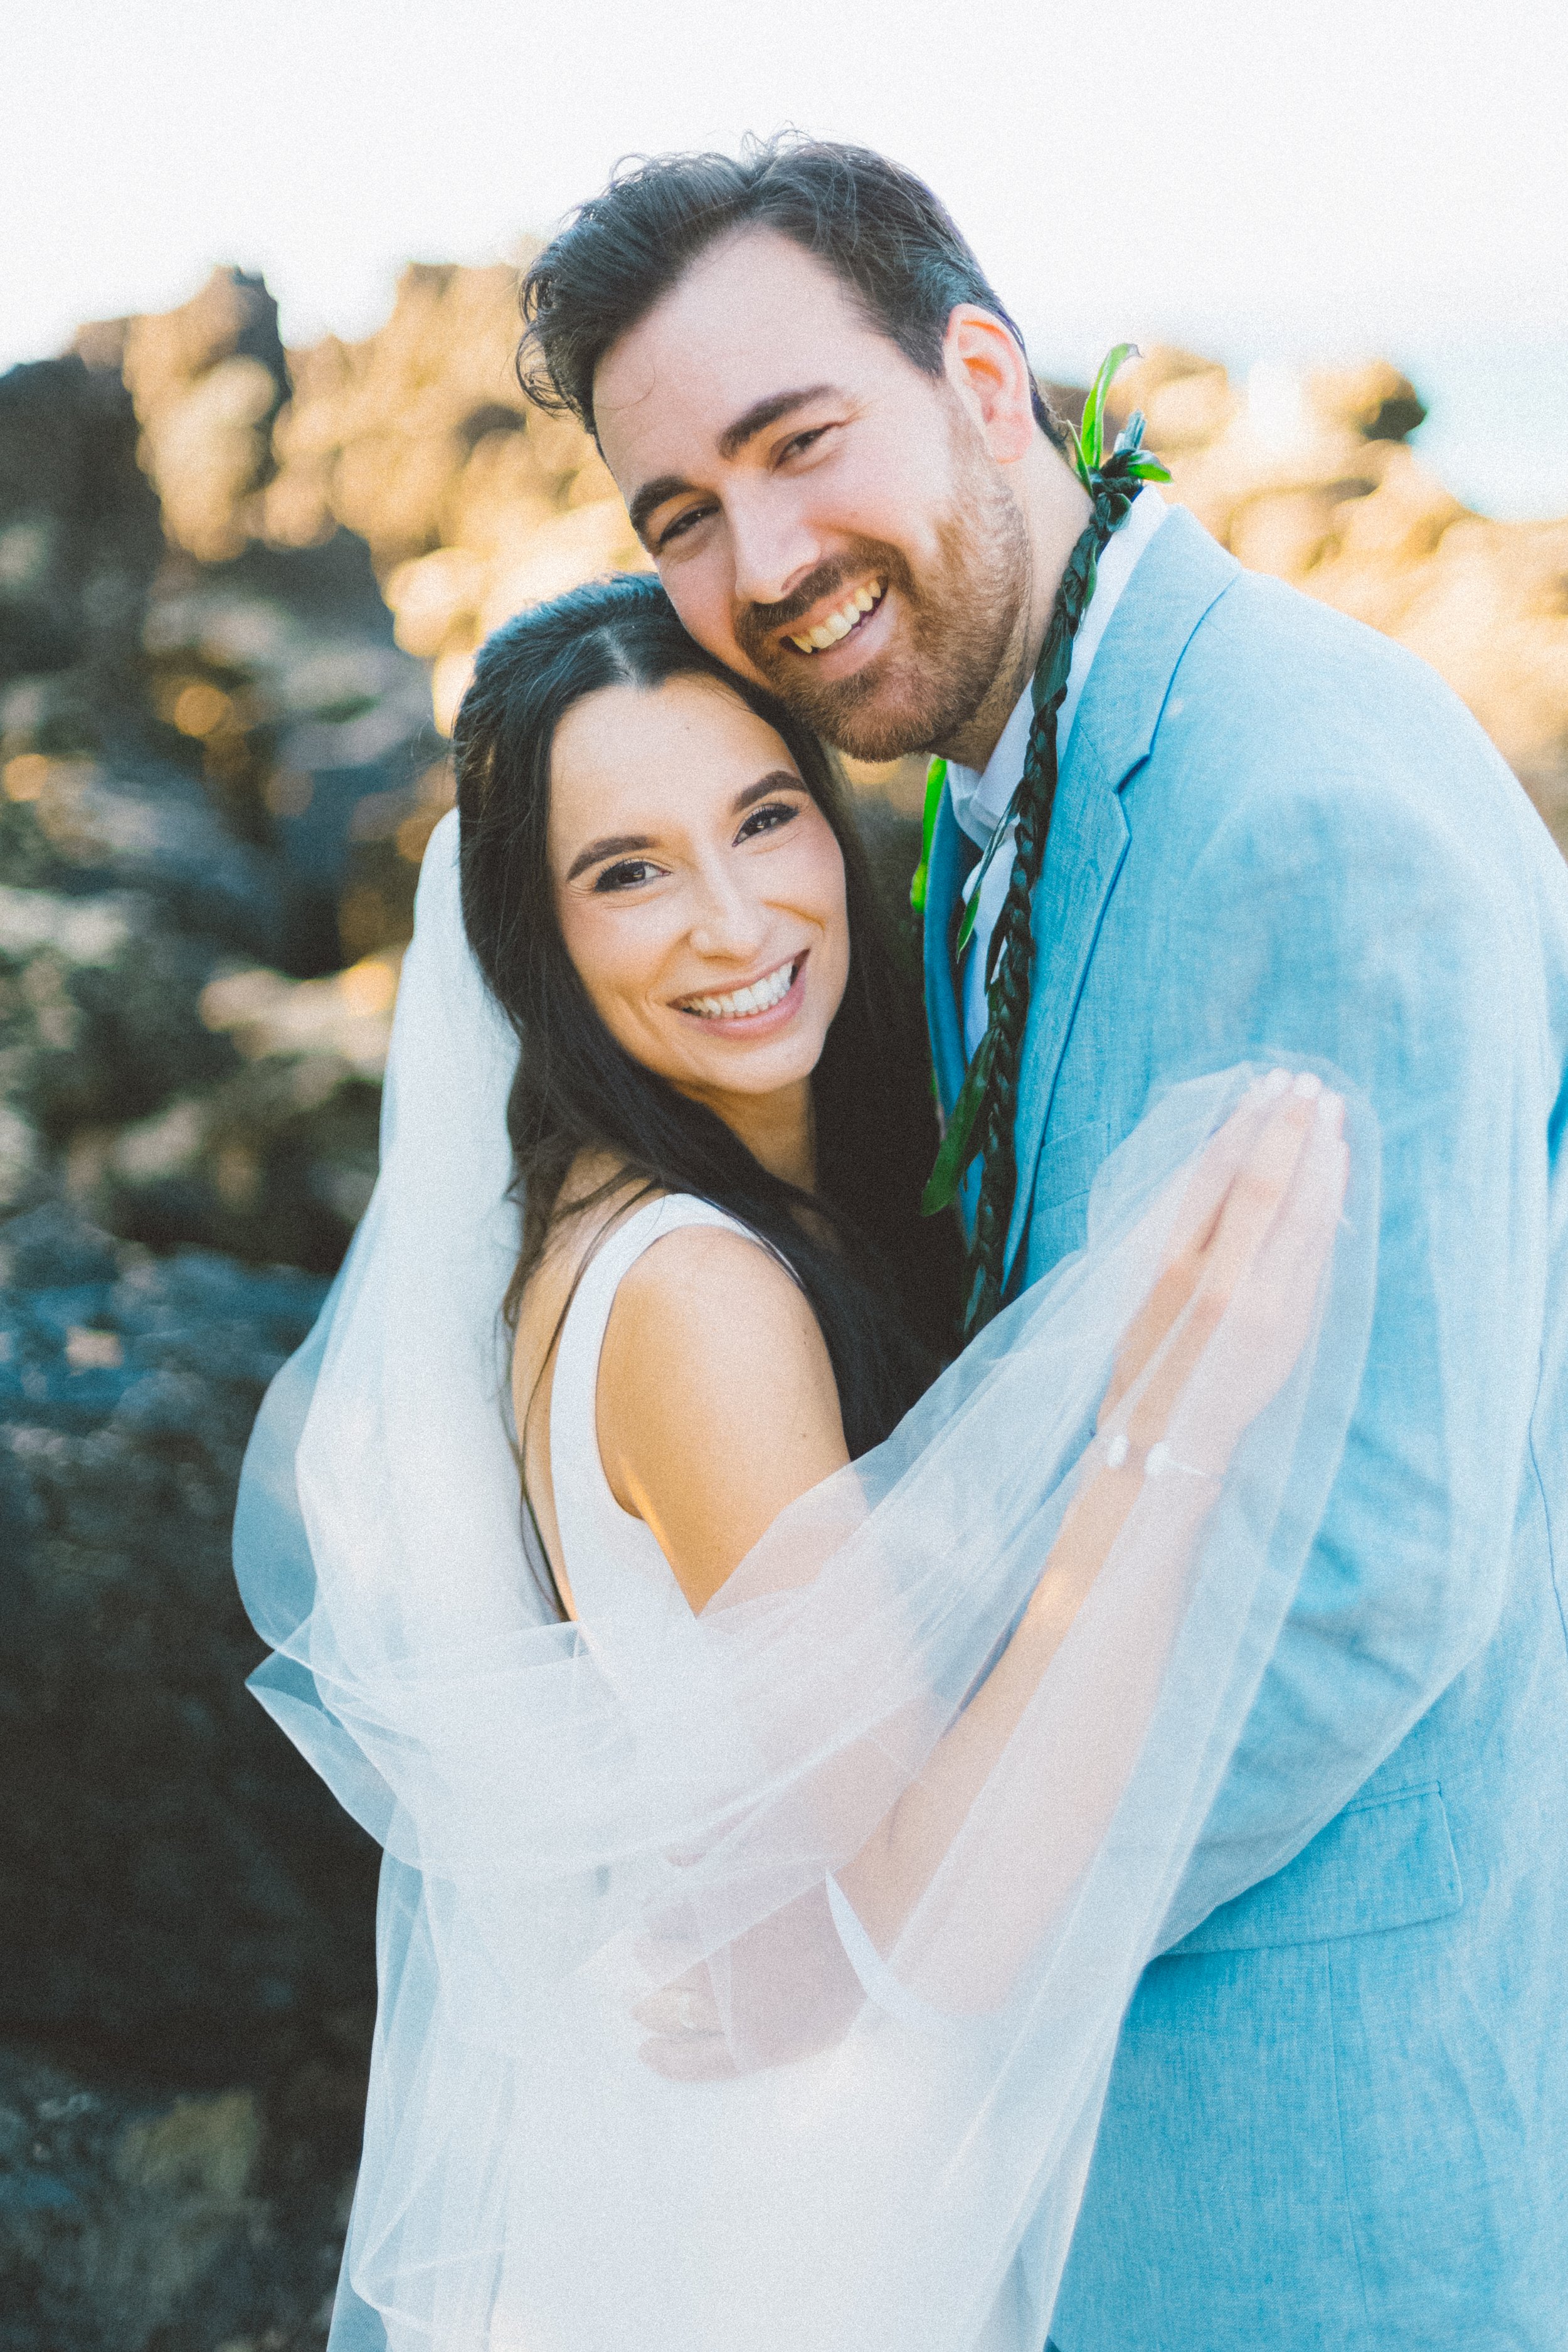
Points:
[[207, 380], [240, 592], [472, 504]]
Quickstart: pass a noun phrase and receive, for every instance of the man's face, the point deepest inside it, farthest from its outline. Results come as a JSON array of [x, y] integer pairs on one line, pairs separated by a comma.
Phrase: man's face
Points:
[[826, 516]]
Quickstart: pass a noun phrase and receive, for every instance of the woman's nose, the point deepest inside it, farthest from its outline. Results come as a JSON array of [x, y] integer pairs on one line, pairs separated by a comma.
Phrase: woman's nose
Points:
[[729, 921]]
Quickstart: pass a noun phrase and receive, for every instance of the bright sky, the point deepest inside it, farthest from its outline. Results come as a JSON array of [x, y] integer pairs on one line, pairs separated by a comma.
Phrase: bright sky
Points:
[[1307, 178]]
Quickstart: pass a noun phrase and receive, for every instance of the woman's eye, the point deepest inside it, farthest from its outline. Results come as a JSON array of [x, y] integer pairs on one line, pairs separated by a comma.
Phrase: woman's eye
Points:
[[767, 819], [625, 873]]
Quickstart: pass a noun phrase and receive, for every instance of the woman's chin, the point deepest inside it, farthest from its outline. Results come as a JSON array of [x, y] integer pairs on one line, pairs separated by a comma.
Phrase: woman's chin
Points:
[[707, 1068], [761, 1069]]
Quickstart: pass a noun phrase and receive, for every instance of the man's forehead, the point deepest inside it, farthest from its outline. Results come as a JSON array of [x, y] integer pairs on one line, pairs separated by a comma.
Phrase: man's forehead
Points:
[[754, 318]]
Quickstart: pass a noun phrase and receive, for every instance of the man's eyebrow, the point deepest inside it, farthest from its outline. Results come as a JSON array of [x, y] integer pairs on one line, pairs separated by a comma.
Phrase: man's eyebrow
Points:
[[647, 502], [613, 845], [763, 413], [652, 496]]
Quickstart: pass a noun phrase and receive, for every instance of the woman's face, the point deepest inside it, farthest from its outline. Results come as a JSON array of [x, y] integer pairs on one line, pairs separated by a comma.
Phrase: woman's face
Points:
[[700, 890]]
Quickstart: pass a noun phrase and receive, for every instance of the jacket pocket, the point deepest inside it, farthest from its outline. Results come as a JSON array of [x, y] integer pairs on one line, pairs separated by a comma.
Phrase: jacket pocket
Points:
[[1390, 1863]]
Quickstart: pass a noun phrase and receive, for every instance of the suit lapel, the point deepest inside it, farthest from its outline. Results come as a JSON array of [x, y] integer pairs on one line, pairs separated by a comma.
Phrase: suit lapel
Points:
[[1084, 851], [1179, 577], [952, 855]]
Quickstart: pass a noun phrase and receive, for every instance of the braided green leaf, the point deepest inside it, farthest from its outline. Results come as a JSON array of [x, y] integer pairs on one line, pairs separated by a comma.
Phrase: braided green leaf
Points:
[[936, 777], [962, 1142], [1091, 432], [1051, 678], [1112, 484], [999, 833]]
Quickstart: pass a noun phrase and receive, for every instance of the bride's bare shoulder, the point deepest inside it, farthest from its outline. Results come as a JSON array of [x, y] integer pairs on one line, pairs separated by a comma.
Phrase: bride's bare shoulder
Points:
[[717, 1403], [704, 1292], [693, 1315]]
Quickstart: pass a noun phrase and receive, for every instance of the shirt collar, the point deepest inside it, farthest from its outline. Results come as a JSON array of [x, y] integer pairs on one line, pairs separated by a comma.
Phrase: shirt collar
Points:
[[979, 799]]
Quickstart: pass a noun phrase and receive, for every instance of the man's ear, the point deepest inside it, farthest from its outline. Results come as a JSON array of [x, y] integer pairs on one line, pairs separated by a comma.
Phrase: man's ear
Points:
[[991, 375]]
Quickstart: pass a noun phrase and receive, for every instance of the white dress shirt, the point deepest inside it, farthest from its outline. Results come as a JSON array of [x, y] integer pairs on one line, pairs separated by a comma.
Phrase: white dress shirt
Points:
[[979, 799]]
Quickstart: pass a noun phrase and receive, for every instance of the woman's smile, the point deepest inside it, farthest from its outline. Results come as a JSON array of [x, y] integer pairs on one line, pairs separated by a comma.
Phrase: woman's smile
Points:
[[757, 1008]]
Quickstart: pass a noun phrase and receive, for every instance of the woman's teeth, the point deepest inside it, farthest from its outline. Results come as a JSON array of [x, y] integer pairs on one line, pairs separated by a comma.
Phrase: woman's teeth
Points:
[[761, 997], [838, 624]]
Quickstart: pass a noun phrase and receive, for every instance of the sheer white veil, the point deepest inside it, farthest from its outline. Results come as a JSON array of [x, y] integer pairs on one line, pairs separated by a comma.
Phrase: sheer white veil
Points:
[[890, 2155]]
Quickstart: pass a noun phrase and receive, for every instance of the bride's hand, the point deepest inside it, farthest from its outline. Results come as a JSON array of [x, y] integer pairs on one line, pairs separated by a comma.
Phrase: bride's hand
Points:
[[1251, 1241], [790, 1991]]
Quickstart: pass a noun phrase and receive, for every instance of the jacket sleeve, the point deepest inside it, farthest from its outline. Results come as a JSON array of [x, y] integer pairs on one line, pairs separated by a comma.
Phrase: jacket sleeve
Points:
[[1369, 936]]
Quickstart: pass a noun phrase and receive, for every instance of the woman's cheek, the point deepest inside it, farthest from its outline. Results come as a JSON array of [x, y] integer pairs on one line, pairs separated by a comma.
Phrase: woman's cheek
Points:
[[636, 967], [605, 959], [835, 907]]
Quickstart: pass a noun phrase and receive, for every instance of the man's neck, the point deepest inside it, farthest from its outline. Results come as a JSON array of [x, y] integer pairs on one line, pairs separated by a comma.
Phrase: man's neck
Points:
[[1055, 507]]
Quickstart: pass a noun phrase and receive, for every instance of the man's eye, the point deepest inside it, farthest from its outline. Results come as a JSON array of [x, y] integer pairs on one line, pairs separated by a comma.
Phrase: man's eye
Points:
[[799, 443], [767, 819], [625, 873], [681, 525]]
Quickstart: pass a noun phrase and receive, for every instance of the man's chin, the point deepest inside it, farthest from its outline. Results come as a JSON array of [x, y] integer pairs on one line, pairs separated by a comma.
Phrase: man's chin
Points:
[[871, 719]]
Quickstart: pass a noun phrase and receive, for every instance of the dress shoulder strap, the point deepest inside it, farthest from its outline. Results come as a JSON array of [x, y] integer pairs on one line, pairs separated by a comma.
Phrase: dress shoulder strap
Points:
[[592, 1523]]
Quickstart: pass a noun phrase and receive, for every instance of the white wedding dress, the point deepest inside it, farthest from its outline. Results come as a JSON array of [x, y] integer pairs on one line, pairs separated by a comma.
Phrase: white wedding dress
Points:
[[618, 1576], [632, 1611], [577, 1816]]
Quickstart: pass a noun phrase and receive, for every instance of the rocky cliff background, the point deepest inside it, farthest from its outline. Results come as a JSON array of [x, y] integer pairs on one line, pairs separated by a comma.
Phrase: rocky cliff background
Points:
[[241, 588]]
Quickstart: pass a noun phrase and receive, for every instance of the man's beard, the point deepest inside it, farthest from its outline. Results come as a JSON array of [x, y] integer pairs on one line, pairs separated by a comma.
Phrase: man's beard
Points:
[[960, 632]]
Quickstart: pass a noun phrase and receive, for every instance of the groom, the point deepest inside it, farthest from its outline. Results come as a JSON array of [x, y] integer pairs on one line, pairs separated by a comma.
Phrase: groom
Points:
[[1339, 2111]]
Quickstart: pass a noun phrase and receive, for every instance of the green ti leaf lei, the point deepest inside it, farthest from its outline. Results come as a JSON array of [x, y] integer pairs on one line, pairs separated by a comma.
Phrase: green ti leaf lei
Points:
[[1129, 462]]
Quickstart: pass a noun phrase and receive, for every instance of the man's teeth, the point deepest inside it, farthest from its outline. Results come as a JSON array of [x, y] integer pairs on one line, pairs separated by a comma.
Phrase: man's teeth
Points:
[[761, 995], [838, 624]]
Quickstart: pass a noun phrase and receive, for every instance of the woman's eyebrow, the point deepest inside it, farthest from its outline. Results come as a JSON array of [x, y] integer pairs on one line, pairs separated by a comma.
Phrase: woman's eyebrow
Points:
[[623, 844], [613, 845], [776, 779]]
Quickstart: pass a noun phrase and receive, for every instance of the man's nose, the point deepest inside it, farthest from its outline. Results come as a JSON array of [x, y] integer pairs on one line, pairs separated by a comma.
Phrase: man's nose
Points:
[[773, 543]]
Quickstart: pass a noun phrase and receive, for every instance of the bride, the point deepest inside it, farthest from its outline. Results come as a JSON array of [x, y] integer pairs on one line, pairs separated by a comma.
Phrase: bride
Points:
[[782, 1793]]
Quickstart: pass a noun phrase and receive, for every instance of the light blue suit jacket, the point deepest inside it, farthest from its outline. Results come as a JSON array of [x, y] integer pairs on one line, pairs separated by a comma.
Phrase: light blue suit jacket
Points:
[[1339, 2111]]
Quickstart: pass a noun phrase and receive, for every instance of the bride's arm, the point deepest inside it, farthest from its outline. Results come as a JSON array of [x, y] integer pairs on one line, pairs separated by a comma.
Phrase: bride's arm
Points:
[[1259, 1247], [1252, 1245], [718, 1408]]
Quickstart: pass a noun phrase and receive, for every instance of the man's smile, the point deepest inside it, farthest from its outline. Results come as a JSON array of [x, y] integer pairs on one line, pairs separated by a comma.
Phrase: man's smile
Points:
[[841, 621]]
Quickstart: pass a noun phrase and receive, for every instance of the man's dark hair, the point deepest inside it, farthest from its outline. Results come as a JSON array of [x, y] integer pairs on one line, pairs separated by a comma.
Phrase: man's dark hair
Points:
[[878, 227]]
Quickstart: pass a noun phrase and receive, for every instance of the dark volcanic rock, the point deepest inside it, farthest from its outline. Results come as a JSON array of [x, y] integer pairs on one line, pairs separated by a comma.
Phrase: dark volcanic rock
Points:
[[138, 2219], [185, 2009], [123, 1090], [79, 539], [181, 1878]]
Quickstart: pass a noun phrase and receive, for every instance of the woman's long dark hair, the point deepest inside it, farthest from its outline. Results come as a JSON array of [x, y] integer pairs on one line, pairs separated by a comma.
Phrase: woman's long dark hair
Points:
[[881, 1280]]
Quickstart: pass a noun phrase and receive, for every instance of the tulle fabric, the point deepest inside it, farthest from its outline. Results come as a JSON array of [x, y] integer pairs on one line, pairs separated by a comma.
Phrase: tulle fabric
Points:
[[889, 2143]]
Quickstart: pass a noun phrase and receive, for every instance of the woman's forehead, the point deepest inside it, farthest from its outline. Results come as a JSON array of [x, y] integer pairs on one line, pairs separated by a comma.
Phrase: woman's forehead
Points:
[[683, 747]]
